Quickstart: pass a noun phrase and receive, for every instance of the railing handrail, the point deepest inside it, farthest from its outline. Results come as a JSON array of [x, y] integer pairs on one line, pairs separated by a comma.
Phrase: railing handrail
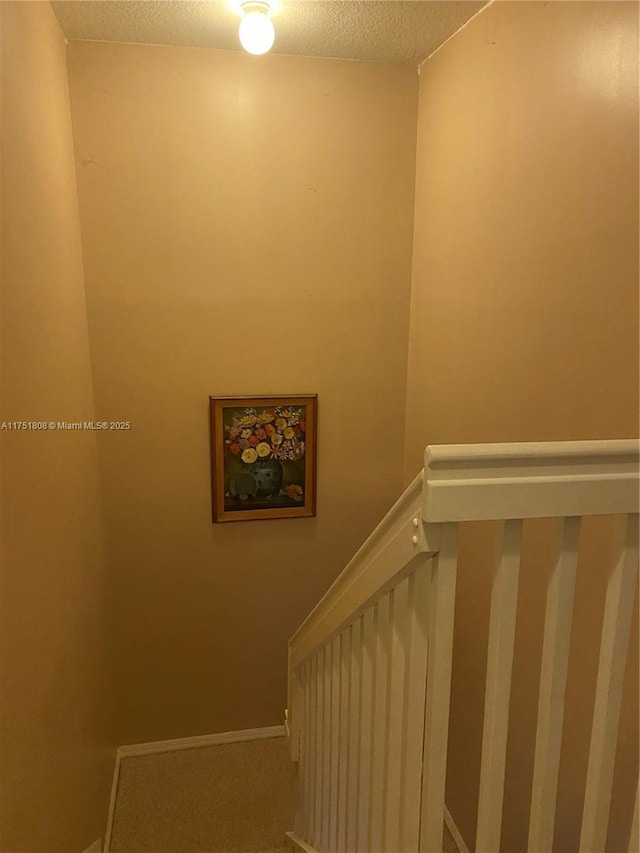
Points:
[[477, 482], [594, 451]]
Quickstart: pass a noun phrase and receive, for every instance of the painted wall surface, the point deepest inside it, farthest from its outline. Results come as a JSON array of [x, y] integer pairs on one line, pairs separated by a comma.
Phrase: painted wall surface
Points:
[[56, 742], [524, 326], [247, 227]]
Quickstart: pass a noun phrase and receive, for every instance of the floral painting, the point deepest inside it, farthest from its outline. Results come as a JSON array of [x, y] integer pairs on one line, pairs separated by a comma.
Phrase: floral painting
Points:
[[263, 457]]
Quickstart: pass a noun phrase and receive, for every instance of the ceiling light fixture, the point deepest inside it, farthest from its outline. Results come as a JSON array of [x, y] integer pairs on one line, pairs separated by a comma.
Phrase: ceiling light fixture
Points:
[[256, 31]]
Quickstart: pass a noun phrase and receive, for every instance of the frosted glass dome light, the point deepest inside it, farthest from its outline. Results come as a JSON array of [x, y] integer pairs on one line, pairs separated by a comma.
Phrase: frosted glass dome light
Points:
[[256, 32]]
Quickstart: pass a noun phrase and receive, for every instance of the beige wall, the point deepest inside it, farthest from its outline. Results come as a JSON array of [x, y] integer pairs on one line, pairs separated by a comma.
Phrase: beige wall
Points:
[[247, 229], [56, 744], [524, 322], [525, 272]]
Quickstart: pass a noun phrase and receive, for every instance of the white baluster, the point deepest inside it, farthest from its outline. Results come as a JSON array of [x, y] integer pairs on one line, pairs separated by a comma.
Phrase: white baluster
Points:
[[320, 729], [441, 612], [302, 812], [326, 748], [310, 743], [343, 749], [336, 662], [353, 760], [396, 731], [380, 721], [553, 678], [502, 626], [366, 731], [416, 692], [613, 654]]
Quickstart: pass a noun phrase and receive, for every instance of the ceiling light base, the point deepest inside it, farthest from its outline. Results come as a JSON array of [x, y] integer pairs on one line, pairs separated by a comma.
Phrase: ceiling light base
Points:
[[255, 6]]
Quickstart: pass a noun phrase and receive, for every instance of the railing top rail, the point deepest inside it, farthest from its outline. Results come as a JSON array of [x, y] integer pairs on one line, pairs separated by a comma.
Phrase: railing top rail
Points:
[[473, 482], [601, 452]]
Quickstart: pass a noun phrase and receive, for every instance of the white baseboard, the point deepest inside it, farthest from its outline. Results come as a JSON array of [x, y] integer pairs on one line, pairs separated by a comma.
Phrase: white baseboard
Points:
[[199, 741], [112, 803], [299, 844], [455, 832], [96, 847], [134, 749]]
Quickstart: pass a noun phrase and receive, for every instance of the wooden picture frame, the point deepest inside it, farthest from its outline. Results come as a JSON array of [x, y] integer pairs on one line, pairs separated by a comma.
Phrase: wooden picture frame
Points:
[[263, 457]]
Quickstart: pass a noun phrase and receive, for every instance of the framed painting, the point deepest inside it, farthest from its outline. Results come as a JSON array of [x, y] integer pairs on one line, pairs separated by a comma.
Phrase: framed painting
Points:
[[263, 457]]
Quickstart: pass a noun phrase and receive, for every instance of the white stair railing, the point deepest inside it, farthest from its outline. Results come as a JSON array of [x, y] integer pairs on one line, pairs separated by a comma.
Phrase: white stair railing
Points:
[[370, 668]]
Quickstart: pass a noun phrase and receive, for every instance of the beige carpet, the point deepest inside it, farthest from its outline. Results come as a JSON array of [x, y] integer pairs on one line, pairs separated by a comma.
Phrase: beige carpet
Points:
[[231, 798]]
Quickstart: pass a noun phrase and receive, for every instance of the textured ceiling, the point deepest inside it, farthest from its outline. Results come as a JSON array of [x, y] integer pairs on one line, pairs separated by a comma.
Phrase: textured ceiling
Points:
[[373, 30]]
